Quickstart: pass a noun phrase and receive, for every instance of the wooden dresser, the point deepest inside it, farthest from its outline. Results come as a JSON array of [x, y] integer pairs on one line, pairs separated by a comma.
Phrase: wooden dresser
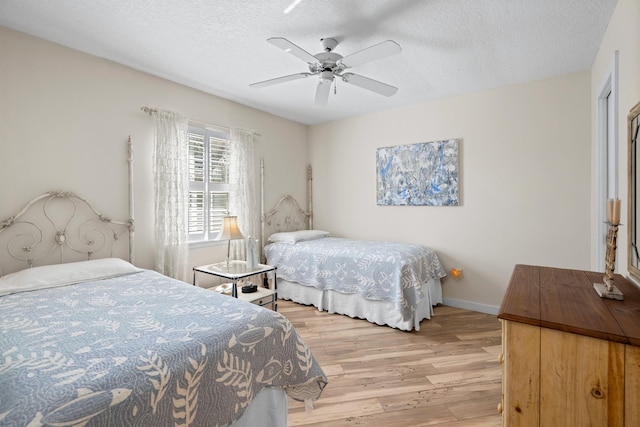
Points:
[[569, 357]]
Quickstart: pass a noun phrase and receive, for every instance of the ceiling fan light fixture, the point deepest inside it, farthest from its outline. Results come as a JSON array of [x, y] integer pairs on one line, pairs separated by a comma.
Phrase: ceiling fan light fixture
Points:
[[326, 76]]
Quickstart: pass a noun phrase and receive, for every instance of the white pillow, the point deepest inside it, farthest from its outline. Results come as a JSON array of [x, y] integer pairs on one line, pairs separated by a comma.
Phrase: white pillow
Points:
[[49, 276], [298, 236]]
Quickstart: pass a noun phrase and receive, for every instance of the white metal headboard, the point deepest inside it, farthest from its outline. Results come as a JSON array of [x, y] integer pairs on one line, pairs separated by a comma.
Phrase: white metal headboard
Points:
[[61, 226], [287, 215]]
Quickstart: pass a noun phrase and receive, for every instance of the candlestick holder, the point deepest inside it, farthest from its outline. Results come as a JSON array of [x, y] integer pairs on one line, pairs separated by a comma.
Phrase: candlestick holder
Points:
[[608, 289]]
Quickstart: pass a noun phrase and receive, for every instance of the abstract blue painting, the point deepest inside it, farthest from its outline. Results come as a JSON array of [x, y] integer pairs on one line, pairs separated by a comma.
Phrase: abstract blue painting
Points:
[[424, 174]]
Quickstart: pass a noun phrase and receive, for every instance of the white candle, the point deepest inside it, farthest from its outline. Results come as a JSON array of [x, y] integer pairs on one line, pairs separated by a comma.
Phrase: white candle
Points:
[[615, 216]]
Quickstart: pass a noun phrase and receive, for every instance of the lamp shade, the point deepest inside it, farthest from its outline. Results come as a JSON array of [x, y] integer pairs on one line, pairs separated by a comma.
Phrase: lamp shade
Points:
[[230, 229]]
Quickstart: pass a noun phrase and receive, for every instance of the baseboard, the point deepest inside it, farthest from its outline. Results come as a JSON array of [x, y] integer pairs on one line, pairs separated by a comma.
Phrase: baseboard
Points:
[[470, 305]]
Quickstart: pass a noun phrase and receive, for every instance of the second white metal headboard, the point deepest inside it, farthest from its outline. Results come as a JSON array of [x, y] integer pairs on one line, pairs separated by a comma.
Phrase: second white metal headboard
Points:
[[287, 215]]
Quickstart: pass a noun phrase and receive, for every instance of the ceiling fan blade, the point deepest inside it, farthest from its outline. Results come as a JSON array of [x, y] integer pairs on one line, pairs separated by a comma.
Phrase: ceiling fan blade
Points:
[[322, 93], [369, 84], [279, 80], [293, 49], [378, 51]]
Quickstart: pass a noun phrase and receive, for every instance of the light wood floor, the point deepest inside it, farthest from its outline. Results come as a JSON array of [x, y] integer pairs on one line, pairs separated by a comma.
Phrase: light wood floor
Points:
[[446, 374]]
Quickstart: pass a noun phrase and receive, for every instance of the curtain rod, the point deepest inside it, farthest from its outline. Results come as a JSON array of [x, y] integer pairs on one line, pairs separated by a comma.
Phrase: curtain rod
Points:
[[150, 111]]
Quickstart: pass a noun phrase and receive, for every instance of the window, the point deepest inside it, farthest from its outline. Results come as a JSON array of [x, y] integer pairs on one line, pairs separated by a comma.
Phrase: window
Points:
[[208, 181]]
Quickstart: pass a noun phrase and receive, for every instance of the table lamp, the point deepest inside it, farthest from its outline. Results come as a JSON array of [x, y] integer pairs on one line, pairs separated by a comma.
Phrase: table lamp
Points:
[[230, 231]]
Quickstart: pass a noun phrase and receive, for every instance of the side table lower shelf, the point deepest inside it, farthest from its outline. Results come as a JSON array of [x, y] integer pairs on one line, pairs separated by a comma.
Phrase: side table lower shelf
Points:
[[262, 297]]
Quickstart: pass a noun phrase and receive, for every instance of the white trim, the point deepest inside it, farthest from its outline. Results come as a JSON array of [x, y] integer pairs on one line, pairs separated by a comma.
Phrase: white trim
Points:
[[206, 243], [470, 305], [608, 88], [633, 280]]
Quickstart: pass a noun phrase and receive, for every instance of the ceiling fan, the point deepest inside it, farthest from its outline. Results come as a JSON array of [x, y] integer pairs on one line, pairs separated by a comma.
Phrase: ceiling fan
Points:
[[327, 65]]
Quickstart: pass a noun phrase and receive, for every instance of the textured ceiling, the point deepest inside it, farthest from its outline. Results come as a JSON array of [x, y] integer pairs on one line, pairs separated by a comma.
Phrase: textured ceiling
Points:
[[449, 47]]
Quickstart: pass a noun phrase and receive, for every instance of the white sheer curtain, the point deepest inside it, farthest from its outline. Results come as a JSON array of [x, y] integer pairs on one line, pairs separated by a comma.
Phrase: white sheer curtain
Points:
[[171, 191], [243, 178]]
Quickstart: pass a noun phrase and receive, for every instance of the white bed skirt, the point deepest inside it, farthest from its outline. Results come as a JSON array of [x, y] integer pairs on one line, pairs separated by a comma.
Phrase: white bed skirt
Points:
[[378, 312], [268, 408]]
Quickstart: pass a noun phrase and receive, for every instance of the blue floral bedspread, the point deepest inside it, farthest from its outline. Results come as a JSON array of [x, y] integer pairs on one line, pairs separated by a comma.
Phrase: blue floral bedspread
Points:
[[143, 350], [380, 271]]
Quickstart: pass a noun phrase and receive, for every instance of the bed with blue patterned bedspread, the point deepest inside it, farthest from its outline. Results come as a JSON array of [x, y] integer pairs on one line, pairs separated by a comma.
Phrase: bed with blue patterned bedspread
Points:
[[376, 271], [143, 350]]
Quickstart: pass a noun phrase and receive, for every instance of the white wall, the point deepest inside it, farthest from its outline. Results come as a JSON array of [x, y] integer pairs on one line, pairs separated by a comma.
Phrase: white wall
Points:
[[525, 175], [527, 171], [65, 117], [623, 35]]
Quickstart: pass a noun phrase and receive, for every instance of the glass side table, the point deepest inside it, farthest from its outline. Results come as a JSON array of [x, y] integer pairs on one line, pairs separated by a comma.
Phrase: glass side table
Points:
[[236, 270]]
